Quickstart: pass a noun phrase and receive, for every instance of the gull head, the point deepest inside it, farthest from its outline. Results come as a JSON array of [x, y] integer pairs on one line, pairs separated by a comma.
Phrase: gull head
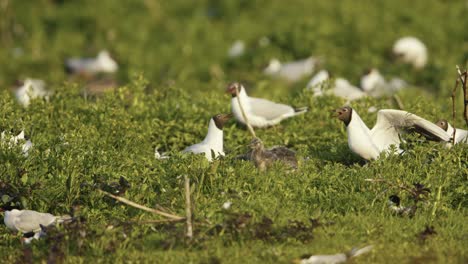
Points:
[[221, 119], [394, 200], [442, 123], [344, 114], [231, 89], [106, 62]]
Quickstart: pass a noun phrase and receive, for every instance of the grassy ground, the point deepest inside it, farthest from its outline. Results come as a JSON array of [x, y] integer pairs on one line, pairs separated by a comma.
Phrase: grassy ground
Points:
[[173, 71]]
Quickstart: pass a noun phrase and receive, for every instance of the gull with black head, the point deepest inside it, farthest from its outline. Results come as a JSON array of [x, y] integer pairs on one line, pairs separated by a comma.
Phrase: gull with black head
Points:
[[212, 145], [461, 135], [390, 125], [260, 112]]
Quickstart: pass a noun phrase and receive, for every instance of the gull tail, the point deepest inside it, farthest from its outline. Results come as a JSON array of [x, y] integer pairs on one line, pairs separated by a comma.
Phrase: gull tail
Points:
[[356, 252], [64, 219], [300, 110]]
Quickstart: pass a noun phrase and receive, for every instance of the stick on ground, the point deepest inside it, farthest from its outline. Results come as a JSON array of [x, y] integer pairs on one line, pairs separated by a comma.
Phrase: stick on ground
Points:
[[249, 127], [142, 207], [188, 210]]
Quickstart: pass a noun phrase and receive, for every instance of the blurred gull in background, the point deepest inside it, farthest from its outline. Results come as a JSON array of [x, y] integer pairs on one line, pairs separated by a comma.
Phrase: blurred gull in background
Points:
[[237, 49], [411, 50], [375, 85], [31, 89], [337, 258], [14, 140], [103, 63], [291, 71]]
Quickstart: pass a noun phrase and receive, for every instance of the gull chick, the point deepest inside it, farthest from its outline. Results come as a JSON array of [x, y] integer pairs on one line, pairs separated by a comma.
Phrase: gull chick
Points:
[[291, 71], [31, 89], [412, 51], [390, 124], [213, 142], [461, 136], [259, 112], [90, 66], [29, 221], [263, 158]]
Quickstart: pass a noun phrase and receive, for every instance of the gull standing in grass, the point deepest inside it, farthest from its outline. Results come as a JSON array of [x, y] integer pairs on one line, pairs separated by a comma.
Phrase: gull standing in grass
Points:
[[29, 221], [14, 140], [259, 112], [90, 66], [461, 136], [291, 71], [212, 145], [331, 259], [263, 158], [374, 84], [340, 87], [390, 124], [412, 51], [31, 89]]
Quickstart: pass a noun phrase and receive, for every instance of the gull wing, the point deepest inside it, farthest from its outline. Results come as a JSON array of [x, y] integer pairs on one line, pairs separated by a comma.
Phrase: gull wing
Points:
[[390, 124], [268, 109], [30, 221], [346, 90]]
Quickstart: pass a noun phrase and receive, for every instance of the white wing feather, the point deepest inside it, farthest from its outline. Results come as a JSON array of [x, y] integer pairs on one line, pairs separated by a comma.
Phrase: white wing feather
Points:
[[268, 109], [390, 124], [30, 221]]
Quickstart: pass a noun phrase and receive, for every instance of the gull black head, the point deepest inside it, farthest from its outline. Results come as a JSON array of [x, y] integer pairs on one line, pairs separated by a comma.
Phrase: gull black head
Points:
[[442, 123], [221, 119], [344, 114], [9, 207], [231, 89], [394, 199]]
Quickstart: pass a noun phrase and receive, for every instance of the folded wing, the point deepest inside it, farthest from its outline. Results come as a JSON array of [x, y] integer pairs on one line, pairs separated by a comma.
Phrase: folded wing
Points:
[[269, 110]]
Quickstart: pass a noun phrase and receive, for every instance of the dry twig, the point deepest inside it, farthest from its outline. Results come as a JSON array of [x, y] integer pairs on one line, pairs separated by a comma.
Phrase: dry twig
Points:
[[188, 210], [401, 186], [251, 130], [462, 76], [142, 207], [454, 91], [398, 102]]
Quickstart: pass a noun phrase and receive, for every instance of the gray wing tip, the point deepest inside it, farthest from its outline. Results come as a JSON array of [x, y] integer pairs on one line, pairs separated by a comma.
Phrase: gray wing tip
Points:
[[301, 110]]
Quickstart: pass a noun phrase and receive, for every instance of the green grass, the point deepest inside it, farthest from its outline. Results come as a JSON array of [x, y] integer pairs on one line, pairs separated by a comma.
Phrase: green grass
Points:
[[173, 73]]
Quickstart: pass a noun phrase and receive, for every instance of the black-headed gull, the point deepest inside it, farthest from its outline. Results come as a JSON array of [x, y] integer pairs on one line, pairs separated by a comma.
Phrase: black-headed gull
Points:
[[213, 142], [374, 84], [292, 71], [263, 158], [461, 136], [394, 203], [14, 140], [339, 87], [332, 259], [390, 124], [259, 112], [29, 221], [102, 63], [31, 89], [411, 50]]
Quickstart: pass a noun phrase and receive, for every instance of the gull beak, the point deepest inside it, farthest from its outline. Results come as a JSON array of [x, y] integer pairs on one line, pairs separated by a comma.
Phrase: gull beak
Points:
[[336, 112]]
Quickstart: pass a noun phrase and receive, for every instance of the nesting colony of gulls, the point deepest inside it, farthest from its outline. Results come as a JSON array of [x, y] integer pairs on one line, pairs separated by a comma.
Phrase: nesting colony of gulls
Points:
[[368, 143]]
